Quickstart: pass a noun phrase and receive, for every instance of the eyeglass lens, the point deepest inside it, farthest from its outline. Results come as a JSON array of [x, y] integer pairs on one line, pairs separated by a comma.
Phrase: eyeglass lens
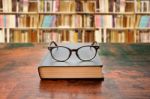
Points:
[[86, 53], [60, 53]]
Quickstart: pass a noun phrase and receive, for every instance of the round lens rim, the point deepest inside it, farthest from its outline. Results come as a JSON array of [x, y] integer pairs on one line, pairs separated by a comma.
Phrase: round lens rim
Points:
[[88, 59], [57, 59]]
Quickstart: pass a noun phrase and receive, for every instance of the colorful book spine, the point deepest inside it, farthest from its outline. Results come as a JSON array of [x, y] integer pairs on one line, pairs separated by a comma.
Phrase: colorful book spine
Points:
[[148, 25], [144, 21], [1, 20], [25, 5], [2, 36], [48, 21]]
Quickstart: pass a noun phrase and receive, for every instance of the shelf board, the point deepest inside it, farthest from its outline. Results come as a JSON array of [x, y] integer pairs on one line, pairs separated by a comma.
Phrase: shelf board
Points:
[[73, 28], [72, 13], [23, 28], [114, 13], [67, 28], [145, 28], [121, 28], [61, 13], [14, 13], [142, 13], [129, 28]]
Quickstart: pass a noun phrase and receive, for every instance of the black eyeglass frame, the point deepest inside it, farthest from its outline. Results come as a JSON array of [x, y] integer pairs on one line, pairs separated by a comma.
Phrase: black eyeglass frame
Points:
[[93, 45]]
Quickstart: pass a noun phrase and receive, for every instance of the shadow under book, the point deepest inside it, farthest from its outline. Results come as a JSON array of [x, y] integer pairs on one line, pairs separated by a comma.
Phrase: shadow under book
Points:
[[73, 68]]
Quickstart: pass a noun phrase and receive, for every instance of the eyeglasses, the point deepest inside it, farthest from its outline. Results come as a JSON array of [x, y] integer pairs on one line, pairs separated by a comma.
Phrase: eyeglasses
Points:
[[62, 53]]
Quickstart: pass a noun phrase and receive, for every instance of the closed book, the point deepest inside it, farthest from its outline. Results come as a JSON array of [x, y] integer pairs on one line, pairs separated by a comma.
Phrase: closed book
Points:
[[73, 68]]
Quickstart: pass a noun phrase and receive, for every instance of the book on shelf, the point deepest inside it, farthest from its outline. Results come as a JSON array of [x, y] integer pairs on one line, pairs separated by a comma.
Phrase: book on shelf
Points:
[[142, 5], [48, 5], [22, 36], [48, 21], [144, 22], [88, 21], [30, 7], [65, 6], [2, 36], [47, 36], [78, 26], [143, 36], [1, 21], [73, 36], [130, 6], [120, 36], [145, 6], [98, 36], [89, 6], [77, 21]]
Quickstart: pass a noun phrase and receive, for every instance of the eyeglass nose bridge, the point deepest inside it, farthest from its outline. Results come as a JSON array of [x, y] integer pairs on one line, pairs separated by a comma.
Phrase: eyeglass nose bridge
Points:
[[74, 50]]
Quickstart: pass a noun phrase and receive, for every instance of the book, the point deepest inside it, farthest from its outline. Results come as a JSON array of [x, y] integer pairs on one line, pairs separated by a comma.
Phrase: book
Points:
[[98, 36], [145, 6], [1, 5], [144, 36], [89, 6], [111, 5], [73, 68], [148, 25], [33, 6], [1, 21], [79, 5], [129, 37], [2, 36], [144, 21], [129, 7], [122, 5], [65, 6], [26, 5], [48, 21]]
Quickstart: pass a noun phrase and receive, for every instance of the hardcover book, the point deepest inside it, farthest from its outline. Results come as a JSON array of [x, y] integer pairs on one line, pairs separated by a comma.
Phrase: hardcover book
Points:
[[73, 68]]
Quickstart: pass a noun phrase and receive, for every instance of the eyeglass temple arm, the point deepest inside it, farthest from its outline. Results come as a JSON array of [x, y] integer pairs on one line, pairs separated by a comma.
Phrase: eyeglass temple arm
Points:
[[94, 43], [53, 43]]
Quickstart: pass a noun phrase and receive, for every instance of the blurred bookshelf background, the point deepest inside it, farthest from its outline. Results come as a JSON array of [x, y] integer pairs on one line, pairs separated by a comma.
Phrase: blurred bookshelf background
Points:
[[104, 21]]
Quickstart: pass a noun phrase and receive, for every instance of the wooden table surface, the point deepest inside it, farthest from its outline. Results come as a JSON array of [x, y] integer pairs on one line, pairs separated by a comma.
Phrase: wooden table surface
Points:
[[124, 79]]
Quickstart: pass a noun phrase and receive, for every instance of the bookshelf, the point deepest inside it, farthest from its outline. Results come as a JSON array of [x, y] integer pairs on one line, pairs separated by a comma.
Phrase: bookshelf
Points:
[[104, 21]]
